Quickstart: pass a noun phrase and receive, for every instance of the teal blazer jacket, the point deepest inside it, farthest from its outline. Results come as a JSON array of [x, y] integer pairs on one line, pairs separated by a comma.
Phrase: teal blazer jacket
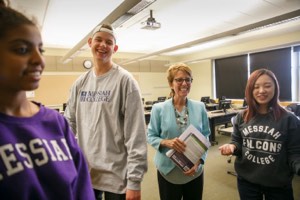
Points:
[[163, 125]]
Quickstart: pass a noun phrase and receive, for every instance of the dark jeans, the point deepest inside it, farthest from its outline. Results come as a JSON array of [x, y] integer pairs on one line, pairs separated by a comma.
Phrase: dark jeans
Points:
[[190, 191], [108, 195], [251, 191]]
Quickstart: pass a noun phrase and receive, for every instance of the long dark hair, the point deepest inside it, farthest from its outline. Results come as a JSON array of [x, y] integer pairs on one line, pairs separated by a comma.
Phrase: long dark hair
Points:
[[253, 106], [10, 19]]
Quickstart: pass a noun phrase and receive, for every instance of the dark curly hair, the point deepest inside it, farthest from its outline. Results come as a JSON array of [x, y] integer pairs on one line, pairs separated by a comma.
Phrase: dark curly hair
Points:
[[10, 18]]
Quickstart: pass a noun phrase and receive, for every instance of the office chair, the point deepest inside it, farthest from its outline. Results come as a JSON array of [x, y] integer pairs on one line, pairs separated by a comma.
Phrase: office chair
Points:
[[229, 131], [227, 128], [233, 173], [148, 103], [230, 157], [295, 108]]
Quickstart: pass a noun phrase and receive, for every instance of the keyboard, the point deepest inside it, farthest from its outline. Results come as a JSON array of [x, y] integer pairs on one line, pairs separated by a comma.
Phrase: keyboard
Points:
[[217, 111]]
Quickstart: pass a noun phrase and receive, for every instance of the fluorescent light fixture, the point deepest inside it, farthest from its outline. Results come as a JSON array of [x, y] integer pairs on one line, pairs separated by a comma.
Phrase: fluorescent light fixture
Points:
[[122, 20], [198, 47], [67, 60], [133, 11], [124, 11], [271, 24], [140, 6]]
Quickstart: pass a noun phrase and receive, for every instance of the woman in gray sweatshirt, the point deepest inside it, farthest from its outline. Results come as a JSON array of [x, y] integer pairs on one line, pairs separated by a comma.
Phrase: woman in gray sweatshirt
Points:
[[265, 141]]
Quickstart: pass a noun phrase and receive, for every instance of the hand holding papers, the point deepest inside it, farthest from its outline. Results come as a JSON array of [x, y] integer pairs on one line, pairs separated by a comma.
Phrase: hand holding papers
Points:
[[196, 146]]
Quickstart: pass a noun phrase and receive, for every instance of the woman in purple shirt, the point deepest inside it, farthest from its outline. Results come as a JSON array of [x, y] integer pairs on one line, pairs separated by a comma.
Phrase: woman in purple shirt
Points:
[[39, 156]]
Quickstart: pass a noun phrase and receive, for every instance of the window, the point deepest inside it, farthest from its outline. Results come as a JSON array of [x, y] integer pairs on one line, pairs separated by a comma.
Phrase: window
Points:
[[231, 77], [296, 73], [279, 62], [231, 74]]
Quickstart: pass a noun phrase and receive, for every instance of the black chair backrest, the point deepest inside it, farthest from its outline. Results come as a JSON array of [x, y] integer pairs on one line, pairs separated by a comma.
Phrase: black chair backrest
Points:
[[149, 103], [295, 108]]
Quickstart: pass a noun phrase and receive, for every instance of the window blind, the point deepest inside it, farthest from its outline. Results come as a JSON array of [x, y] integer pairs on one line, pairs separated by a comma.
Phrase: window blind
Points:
[[279, 62], [231, 77]]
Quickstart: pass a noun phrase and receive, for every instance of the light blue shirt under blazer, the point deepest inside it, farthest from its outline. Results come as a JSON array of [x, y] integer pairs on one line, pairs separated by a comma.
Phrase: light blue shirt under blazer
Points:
[[163, 126]]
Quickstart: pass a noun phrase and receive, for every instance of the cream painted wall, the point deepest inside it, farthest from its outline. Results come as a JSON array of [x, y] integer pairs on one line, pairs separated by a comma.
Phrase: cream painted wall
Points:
[[55, 86], [153, 85], [202, 83]]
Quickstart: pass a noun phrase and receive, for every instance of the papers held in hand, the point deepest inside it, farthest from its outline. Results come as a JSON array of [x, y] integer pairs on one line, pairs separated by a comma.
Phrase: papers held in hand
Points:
[[196, 146]]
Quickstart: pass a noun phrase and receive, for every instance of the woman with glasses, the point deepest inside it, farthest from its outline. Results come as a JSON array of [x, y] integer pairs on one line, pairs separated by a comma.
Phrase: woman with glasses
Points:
[[168, 120]]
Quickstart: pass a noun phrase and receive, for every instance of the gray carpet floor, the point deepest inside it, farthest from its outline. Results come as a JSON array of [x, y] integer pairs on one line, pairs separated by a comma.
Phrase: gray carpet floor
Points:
[[218, 184]]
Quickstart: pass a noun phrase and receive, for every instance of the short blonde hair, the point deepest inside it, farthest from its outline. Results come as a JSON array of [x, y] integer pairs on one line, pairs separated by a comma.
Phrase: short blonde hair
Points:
[[172, 71]]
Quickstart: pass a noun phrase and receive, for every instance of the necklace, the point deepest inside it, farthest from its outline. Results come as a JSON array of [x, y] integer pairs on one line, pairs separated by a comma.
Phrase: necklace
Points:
[[181, 120]]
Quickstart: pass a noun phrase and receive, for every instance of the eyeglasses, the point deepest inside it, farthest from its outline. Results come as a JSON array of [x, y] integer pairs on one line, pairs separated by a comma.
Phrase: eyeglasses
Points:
[[180, 80]]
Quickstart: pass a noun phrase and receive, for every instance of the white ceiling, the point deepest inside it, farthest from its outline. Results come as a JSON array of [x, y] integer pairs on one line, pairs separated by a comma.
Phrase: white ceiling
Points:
[[65, 23]]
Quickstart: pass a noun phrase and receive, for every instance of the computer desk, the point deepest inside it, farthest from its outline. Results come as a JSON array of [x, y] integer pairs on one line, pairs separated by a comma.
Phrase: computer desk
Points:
[[211, 106], [218, 119]]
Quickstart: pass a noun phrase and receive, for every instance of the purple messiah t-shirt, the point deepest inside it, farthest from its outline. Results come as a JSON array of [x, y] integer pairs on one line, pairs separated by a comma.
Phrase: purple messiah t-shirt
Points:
[[40, 159]]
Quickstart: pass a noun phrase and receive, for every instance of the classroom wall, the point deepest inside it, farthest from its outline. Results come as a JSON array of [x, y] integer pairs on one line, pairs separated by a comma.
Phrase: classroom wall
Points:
[[151, 75], [153, 85], [239, 48], [203, 80], [54, 87]]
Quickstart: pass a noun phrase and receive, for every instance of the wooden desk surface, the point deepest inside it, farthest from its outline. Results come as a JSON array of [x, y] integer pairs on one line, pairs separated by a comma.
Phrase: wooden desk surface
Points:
[[212, 114], [219, 118]]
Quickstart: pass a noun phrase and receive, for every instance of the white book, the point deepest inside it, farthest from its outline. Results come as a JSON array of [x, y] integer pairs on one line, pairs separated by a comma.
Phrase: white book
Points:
[[196, 145]]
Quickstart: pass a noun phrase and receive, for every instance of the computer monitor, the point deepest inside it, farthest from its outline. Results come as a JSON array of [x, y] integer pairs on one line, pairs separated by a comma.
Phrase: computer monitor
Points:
[[224, 105], [161, 99], [222, 98], [205, 99]]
